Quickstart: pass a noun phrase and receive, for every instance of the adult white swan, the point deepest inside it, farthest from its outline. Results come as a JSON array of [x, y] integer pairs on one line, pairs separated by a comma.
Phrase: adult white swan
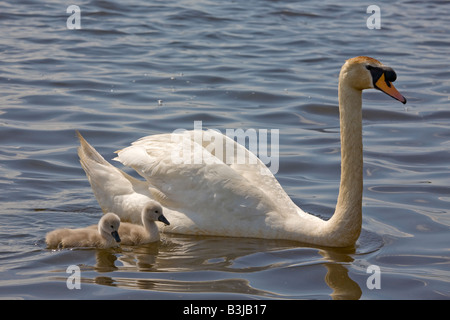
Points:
[[216, 197]]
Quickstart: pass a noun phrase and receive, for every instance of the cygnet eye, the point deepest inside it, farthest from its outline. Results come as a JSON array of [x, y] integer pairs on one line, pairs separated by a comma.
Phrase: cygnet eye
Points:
[[156, 211]]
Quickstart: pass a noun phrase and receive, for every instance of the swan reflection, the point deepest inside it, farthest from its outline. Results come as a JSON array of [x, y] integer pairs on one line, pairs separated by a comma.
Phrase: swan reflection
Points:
[[245, 267]]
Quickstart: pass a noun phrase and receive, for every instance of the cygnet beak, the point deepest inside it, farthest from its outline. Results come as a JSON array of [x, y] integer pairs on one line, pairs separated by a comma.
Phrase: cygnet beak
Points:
[[163, 220], [115, 235]]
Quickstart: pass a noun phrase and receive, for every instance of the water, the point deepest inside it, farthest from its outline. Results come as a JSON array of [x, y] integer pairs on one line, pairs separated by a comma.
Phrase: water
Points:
[[137, 68]]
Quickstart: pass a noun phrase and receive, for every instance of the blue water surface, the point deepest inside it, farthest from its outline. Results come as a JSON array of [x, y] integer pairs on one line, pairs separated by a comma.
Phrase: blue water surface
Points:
[[136, 68]]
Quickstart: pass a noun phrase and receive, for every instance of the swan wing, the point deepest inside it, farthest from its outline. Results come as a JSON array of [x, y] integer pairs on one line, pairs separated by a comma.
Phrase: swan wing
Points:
[[201, 158], [249, 166], [203, 192]]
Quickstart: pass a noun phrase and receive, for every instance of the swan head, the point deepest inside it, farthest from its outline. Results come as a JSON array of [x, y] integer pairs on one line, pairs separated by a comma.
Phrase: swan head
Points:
[[367, 73], [108, 226], [153, 211]]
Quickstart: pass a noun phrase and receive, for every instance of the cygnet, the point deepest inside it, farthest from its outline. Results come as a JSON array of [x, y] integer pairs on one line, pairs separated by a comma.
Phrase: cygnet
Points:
[[133, 234], [105, 235]]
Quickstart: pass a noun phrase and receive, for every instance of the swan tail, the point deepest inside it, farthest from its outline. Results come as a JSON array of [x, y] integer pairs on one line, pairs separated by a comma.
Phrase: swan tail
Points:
[[111, 186], [86, 151], [96, 167]]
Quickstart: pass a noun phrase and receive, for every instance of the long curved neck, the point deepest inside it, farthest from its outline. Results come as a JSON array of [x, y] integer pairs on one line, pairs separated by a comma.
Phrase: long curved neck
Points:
[[347, 219]]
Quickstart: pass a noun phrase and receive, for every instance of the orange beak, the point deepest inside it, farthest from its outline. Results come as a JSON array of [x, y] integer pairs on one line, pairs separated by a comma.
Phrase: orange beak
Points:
[[388, 88]]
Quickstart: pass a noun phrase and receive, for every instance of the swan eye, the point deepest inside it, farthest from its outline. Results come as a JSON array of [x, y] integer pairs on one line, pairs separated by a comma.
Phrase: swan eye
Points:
[[156, 211]]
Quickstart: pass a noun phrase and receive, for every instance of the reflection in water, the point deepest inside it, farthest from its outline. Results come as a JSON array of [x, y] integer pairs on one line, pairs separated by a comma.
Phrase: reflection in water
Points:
[[105, 260], [337, 276], [191, 264]]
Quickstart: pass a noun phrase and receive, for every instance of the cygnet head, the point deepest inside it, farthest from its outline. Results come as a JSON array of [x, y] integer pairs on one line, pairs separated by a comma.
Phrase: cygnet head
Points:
[[153, 211], [367, 73], [108, 226]]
